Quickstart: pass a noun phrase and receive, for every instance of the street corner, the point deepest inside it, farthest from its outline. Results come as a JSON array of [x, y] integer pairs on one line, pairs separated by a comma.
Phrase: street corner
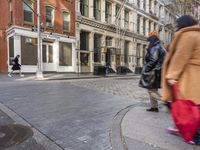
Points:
[[146, 130]]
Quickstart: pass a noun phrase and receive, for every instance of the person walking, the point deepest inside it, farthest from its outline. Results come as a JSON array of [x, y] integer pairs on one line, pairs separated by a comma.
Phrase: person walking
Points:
[[151, 71], [16, 66], [182, 64]]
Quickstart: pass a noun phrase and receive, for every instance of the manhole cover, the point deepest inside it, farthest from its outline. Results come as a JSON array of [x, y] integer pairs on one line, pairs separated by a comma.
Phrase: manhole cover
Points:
[[14, 134]]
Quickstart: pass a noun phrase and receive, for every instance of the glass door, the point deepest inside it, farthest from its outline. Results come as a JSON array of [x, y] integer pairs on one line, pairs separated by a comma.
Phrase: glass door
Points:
[[48, 57]]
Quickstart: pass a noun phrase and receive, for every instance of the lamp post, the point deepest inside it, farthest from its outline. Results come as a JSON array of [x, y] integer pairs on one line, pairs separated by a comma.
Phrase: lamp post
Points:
[[39, 73]]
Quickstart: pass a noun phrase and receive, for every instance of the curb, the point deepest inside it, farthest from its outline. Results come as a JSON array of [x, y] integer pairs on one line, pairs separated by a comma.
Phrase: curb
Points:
[[116, 138], [38, 135]]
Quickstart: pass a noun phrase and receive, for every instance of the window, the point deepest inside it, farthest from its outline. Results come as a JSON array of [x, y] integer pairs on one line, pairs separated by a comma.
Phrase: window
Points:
[[138, 24], [66, 21], [84, 40], [49, 16], [144, 27], [109, 41], [149, 26], [84, 7], [97, 48], [28, 13], [126, 19], [150, 6], [11, 49], [108, 12], [97, 10], [28, 51], [117, 12], [138, 3], [65, 54]]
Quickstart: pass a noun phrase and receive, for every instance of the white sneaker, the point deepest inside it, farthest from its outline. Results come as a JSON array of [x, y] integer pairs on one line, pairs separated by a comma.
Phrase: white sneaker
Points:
[[21, 75], [9, 75]]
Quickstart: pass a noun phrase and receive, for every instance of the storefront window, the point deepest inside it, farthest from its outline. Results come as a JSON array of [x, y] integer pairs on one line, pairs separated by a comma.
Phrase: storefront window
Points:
[[65, 54], [84, 59], [11, 50], [28, 51]]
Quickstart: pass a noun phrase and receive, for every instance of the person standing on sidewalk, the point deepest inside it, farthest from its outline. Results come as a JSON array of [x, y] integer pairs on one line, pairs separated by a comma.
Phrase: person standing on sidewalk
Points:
[[151, 71], [16, 66], [182, 65]]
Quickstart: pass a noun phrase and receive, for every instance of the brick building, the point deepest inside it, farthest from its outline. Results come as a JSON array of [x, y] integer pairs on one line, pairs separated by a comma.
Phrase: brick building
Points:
[[18, 34]]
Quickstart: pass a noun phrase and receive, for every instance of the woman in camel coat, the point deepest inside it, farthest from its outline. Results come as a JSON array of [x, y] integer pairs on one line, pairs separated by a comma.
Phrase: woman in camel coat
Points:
[[182, 63]]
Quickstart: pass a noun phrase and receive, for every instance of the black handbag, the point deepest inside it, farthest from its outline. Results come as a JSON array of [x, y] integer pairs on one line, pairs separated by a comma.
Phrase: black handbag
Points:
[[151, 79]]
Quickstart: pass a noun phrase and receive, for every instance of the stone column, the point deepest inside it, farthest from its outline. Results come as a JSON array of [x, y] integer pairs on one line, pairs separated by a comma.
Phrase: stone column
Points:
[[122, 18], [141, 4], [113, 13], [122, 52], [147, 6], [77, 6], [152, 26], [147, 27], [91, 9], [91, 49], [135, 21], [103, 55], [141, 25], [152, 6], [131, 20], [103, 11], [78, 67]]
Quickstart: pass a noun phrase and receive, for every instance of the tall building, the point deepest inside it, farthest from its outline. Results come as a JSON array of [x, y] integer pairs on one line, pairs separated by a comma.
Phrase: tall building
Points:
[[18, 34], [114, 32]]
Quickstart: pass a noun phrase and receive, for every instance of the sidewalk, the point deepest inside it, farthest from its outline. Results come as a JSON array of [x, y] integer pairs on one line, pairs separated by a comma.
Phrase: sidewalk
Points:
[[142, 130], [61, 76]]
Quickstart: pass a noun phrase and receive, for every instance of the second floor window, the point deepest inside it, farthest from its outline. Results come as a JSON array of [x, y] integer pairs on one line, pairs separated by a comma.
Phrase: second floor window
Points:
[[49, 16], [150, 5], [97, 10], [108, 12], [138, 24], [138, 3], [126, 19], [66, 21], [28, 13], [84, 7], [118, 14]]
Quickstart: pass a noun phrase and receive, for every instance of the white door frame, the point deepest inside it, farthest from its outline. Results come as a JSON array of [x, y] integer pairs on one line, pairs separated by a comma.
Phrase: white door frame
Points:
[[48, 65]]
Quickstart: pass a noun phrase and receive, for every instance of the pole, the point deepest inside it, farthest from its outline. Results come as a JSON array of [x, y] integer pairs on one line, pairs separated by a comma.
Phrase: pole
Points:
[[39, 73]]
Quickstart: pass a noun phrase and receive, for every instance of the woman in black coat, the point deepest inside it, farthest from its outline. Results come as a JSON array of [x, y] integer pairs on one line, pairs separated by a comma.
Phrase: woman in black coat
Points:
[[151, 71], [16, 66]]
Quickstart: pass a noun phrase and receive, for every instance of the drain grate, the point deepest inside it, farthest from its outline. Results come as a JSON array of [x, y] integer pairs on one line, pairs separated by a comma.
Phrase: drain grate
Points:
[[14, 134]]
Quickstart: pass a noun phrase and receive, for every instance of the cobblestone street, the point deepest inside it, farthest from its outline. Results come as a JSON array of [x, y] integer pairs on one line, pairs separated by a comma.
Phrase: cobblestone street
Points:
[[125, 87]]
